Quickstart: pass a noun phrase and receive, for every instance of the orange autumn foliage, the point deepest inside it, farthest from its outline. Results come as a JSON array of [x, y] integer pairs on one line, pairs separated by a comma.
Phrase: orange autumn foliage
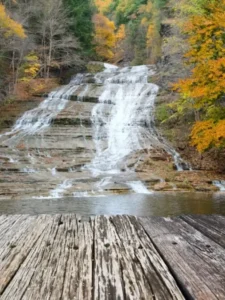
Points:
[[102, 5], [206, 85], [104, 38], [207, 54], [206, 134]]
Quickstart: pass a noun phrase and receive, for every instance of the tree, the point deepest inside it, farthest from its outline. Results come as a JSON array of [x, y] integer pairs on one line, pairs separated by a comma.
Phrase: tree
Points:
[[49, 26], [80, 13], [9, 27], [12, 37], [119, 44], [103, 5], [104, 39], [205, 88]]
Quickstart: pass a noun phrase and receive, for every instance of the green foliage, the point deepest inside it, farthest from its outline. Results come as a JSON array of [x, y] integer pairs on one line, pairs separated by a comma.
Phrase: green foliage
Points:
[[160, 3], [162, 113], [187, 8], [215, 112], [81, 12]]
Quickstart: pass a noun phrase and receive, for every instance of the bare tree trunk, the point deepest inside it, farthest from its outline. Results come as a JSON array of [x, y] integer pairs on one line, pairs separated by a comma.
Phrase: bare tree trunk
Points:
[[50, 52], [197, 116]]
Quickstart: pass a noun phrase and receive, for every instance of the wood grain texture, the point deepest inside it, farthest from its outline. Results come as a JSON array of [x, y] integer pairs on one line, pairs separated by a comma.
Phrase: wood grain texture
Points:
[[67, 257], [139, 249], [197, 262], [211, 226]]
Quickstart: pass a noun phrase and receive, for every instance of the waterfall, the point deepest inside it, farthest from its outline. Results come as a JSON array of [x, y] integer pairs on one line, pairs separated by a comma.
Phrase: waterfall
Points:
[[123, 120], [86, 152], [220, 184], [39, 119]]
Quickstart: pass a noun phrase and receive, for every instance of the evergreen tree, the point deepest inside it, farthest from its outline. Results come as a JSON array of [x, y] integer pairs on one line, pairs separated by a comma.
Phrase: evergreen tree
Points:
[[81, 12]]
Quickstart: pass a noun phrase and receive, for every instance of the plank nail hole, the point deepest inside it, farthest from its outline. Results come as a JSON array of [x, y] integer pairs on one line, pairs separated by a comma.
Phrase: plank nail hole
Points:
[[75, 247], [208, 246], [135, 260], [140, 247], [12, 246], [60, 223], [48, 244], [107, 245], [174, 243]]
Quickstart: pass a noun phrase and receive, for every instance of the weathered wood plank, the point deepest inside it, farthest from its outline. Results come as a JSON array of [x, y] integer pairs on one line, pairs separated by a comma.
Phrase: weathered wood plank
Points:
[[8, 224], [63, 257], [60, 264], [27, 279], [123, 268], [138, 247], [78, 277], [108, 281], [215, 221], [15, 251], [210, 226], [12, 230], [197, 262]]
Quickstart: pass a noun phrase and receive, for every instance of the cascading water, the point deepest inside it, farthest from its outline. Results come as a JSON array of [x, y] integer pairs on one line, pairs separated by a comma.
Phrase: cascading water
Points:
[[220, 184], [38, 119], [97, 137], [123, 120]]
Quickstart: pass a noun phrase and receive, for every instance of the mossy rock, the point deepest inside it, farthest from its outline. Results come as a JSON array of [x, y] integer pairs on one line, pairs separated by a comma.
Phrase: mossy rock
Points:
[[95, 67]]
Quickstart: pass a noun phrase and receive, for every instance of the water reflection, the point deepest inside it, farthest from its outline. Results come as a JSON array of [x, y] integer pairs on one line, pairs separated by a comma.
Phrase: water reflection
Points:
[[157, 204]]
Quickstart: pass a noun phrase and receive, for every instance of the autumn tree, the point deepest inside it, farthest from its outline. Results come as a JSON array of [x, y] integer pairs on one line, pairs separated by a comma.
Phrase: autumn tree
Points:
[[12, 37], [9, 27], [49, 25], [204, 90], [104, 38], [103, 5]]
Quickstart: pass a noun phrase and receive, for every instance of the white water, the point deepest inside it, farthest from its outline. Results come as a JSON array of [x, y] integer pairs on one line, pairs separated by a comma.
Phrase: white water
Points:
[[123, 123], [53, 171], [220, 185], [58, 192], [138, 187], [39, 119], [128, 125]]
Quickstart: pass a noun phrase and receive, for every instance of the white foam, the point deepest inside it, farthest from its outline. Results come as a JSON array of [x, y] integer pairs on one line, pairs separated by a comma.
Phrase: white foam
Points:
[[138, 187], [220, 184]]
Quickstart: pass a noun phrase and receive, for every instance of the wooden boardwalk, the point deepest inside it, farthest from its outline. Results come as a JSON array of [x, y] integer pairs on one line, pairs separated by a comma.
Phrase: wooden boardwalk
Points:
[[65, 257]]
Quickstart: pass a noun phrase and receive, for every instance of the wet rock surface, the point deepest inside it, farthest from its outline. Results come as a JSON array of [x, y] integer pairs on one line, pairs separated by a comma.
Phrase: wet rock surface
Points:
[[71, 155]]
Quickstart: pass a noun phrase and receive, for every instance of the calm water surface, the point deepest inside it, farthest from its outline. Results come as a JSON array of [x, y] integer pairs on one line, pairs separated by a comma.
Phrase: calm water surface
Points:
[[157, 204]]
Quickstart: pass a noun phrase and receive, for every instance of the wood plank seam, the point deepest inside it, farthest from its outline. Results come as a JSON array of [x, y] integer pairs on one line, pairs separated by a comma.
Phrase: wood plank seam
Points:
[[204, 232], [93, 258], [140, 265], [182, 288]]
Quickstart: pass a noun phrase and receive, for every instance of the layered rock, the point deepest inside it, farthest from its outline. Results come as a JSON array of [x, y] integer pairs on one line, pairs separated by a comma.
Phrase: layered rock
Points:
[[94, 137]]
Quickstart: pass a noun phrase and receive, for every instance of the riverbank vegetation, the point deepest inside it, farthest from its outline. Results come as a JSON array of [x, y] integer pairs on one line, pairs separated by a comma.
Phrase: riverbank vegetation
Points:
[[41, 41]]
